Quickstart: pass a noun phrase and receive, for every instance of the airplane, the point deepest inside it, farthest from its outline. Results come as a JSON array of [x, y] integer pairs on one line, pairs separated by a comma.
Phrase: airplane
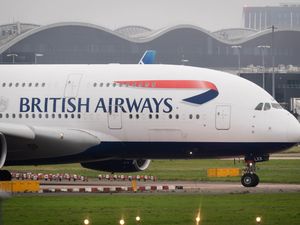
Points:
[[117, 117], [148, 57]]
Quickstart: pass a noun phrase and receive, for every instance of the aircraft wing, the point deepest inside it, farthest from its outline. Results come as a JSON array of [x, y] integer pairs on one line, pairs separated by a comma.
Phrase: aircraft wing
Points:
[[24, 142], [17, 130]]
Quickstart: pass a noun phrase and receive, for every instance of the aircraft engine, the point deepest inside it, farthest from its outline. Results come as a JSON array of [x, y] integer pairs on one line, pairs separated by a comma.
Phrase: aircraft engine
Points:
[[118, 165], [3, 150]]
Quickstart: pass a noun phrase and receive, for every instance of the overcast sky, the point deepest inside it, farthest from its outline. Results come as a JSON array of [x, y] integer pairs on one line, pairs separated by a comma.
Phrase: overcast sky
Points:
[[208, 14]]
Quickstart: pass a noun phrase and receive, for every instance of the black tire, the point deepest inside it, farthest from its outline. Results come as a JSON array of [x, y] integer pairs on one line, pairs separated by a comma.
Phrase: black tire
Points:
[[5, 175], [256, 179], [249, 180]]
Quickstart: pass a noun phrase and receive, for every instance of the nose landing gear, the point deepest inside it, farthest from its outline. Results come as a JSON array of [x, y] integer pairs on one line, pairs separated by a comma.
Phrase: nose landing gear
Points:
[[250, 178]]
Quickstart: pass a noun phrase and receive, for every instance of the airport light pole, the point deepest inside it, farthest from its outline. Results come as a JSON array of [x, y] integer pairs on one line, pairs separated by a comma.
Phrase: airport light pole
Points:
[[273, 60], [13, 55], [238, 47], [36, 55], [263, 48]]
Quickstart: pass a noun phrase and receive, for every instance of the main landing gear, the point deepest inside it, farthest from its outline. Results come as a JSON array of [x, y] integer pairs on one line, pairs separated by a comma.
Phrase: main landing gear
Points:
[[250, 178], [5, 175]]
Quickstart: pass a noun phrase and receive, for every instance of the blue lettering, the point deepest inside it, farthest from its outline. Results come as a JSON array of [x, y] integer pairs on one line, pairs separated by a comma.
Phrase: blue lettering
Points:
[[101, 105], [54, 103], [167, 103], [157, 103], [134, 105], [147, 105], [71, 104], [86, 105], [24, 105], [119, 104], [35, 104]]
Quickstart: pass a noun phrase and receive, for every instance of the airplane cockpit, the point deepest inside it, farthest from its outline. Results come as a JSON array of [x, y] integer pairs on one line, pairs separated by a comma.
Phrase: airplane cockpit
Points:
[[267, 106]]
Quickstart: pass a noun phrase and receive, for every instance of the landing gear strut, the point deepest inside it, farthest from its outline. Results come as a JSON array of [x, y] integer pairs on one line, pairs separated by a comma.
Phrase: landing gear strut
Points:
[[250, 179], [5, 175]]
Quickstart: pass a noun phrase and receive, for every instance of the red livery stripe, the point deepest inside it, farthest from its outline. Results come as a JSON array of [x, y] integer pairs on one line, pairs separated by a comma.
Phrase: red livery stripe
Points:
[[169, 84]]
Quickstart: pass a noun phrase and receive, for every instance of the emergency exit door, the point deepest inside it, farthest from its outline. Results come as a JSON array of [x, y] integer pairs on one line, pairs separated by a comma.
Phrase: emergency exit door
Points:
[[72, 85], [114, 118], [223, 117]]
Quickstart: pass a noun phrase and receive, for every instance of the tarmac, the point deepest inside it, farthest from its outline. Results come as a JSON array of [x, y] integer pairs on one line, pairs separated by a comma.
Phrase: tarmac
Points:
[[166, 187]]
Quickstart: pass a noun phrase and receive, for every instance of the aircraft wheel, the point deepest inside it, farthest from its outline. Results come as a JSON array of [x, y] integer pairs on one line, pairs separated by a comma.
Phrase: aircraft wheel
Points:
[[256, 180], [5, 175], [250, 180]]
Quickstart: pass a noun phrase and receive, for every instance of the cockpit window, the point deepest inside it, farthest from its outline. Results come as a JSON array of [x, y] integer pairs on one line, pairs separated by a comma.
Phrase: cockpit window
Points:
[[259, 106], [267, 107], [276, 106]]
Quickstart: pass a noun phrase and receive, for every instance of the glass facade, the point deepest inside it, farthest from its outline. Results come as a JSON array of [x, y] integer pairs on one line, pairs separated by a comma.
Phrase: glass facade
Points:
[[73, 44]]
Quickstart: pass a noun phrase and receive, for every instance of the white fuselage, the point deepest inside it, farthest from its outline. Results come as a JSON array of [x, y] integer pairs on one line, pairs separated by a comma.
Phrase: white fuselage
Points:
[[124, 104]]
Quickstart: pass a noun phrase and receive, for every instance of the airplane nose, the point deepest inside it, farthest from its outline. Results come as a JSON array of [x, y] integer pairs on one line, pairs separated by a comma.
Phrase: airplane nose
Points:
[[293, 130]]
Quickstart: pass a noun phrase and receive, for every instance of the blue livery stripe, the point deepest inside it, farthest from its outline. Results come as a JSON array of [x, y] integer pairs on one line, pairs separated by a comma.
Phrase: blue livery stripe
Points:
[[202, 98]]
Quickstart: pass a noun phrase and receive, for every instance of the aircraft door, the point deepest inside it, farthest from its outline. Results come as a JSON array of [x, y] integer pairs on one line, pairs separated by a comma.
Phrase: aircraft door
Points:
[[223, 117], [114, 118], [72, 85]]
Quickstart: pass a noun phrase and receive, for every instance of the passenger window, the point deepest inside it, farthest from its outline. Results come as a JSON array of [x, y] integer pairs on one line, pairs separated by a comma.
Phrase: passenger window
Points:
[[259, 106], [267, 107]]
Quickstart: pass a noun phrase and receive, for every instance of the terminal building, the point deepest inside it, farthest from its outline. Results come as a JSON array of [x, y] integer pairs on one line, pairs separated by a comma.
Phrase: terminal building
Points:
[[229, 49], [285, 16]]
